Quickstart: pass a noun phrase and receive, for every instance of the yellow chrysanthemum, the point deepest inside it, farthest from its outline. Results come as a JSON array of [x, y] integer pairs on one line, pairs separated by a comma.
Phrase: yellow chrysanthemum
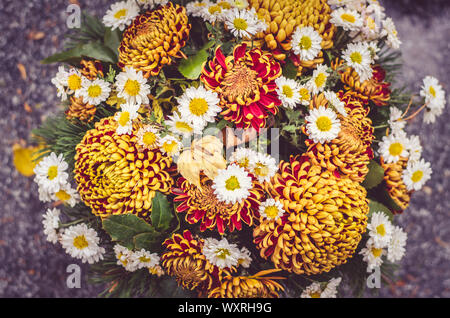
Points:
[[80, 110], [154, 39], [91, 69], [395, 186], [350, 153], [113, 177], [324, 220]]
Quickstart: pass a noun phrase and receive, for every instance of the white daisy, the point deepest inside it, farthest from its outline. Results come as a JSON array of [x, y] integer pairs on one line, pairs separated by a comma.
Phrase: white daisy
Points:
[[430, 114], [271, 209], [94, 92], [180, 126], [373, 16], [242, 157], [121, 14], [263, 166], [380, 229], [414, 148], [44, 194], [416, 174], [60, 81], [213, 12], [194, 8], [396, 123], [243, 23], [125, 117], [232, 184], [68, 82], [312, 291], [393, 147], [245, 258], [396, 248], [330, 290], [392, 35], [319, 79], [288, 91], [51, 224], [306, 43], [349, 20], [240, 4], [150, 4], [221, 253], [82, 242], [132, 86], [148, 137], [124, 258], [434, 96], [144, 259], [372, 255], [199, 106], [357, 56], [51, 172], [305, 94], [315, 290], [335, 103], [170, 145], [67, 195], [322, 124], [373, 49]]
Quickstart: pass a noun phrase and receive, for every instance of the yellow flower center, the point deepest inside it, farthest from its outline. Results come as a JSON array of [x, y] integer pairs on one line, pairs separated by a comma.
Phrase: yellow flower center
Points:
[[261, 170], [144, 259], [305, 43], [287, 91], [370, 23], [170, 147], [74, 82], [432, 91], [149, 138], [120, 14], [62, 195], [324, 123], [80, 242], [183, 127], [381, 230], [132, 87], [304, 93], [224, 5], [124, 118], [271, 211], [240, 24], [348, 17], [94, 91], [244, 162], [222, 253], [315, 295], [320, 80], [198, 106], [376, 252], [214, 9], [52, 172], [417, 176], [396, 149], [232, 183], [356, 57]]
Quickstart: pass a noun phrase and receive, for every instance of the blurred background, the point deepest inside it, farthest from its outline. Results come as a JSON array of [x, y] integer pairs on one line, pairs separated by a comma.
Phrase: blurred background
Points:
[[33, 30]]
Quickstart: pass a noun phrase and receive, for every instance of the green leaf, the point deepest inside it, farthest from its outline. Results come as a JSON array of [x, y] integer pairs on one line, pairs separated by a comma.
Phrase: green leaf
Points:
[[94, 50], [161, 212], [149, 241], [112, 40], [191, 67], [94, 24], [290, 70], [124, 228], [375, 206], [375, 175], [289, 128]]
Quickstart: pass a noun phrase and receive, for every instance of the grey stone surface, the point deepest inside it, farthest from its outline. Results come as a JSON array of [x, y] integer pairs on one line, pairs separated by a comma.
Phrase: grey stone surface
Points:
[[31, 267]]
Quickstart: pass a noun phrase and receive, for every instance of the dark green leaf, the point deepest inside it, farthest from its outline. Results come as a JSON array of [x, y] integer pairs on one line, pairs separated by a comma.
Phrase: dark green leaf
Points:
[[375, 175], [375, 206], [150, 241], [112, 40], [290, 70], [94, 50], [191, 67], [124, 228], [161, 212]]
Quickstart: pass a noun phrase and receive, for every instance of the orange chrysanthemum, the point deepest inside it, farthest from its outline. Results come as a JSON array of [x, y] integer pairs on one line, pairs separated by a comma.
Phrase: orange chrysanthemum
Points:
[[245, 83], [324, 220], [80, 110], [202, 206], [154, 39], [395, 186], [114, 177], [91, 69]]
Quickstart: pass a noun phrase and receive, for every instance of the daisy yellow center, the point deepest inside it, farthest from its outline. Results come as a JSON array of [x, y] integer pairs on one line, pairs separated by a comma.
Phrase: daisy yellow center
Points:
[[261, 170], [74, 82], [124, 118], [287, 91], [214, 9], [170, 147], [348, 17], [198, 106], [240, 24], [80, 242], [183, 127], [132, 87], [62, 195], [432, 91], [376, 252], [222, 253], [371, 23], [232, 183], [356, 57], [149, 138], [417, 176], [271, 211], [396, 149], [305, 43], [94, 91], [144, 259], [304, 93], [52, 172], [244, 162], [315, 295], [120, 14], [320, 80], [324, 123], [224, 5], [381, 230]]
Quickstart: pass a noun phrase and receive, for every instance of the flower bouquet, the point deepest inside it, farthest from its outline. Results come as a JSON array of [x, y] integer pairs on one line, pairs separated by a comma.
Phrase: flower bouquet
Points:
[[232, 148]]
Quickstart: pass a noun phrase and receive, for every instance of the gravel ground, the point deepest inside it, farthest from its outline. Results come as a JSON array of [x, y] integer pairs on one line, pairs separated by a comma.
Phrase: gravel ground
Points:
[[31, 267]]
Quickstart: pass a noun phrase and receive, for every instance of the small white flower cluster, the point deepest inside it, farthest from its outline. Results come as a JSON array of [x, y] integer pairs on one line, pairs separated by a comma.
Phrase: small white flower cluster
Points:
[[224, 254], [322, 290], [434, 97], [135, 260], [262, 166], [384, 239]]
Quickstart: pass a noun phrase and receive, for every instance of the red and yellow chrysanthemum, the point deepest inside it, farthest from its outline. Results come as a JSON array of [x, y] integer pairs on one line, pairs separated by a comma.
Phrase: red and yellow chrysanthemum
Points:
[[202, 206], [245, 83], [325, 217], [154, 39], [114, 176]]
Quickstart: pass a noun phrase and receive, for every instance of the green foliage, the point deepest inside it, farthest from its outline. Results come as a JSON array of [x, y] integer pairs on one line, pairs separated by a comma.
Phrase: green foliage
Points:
[[375, 206], [375, 175], [290, 70], [94, 50], [161, 212]]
